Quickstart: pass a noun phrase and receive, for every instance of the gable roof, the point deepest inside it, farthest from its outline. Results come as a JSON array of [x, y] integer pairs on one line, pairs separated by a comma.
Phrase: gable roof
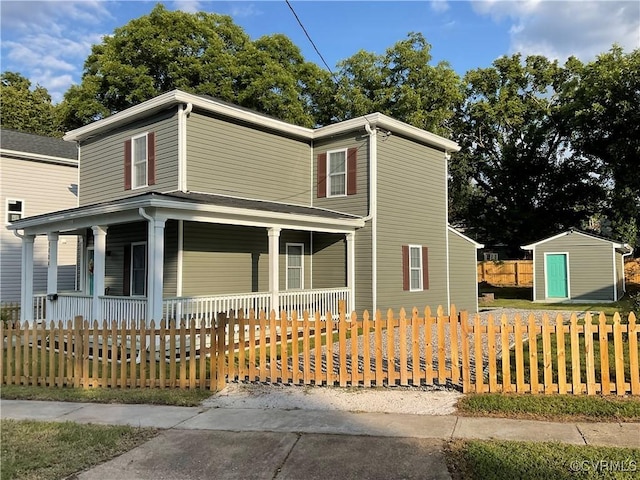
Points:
[[36, 147], [618, 245], [464, 237], [177, 97]]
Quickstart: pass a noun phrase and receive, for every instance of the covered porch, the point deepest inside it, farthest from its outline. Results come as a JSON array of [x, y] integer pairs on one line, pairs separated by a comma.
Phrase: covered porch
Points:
[[172, 256]]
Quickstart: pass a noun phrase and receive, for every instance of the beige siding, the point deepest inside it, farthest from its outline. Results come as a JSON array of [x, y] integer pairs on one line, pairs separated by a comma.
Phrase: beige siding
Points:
[[43, 187], [462, 273], [412, 209], [364, 276], [329, 260], [357, 204], [238, 160], [102, 160], [590, 266]]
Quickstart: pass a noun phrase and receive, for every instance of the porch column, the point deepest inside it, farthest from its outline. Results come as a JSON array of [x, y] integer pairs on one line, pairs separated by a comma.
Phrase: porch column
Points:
[[274, 267], [156, 269], [99, 252], [26, 280], [351, 271], [52, 274]]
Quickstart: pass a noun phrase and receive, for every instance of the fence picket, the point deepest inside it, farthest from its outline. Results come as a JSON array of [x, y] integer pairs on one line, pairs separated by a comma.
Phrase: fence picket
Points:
[[391, 345], [306, 348], [453, 331], [415, 347], [273, 357], [634, 367], [317, 352], [604, 354], [619, 354], [576, 381], [194, 347], [220, 354], [355, 375], [506, 360], [329, 344], [263, 347], [402, 332], [491, 342], [25, 356], [85, 354], [589, 355], [378, 348], [295, 354], [466, 364], [366, 351], [143, 354], [428, 346], [442, 371], [519, 351], [342, 345], [252, 346], [242, 329], [546, 355], [284, 363], [561, 354], [477, 357]]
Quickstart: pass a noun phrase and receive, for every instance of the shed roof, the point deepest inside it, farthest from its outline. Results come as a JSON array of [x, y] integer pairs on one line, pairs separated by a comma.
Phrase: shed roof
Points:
[[619, 245]]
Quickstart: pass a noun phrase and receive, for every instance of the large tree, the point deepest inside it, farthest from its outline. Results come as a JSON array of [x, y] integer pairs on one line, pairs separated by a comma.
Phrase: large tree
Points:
[[26, 108], [202, 53], [601, 102], [401, 83], [517, 178]]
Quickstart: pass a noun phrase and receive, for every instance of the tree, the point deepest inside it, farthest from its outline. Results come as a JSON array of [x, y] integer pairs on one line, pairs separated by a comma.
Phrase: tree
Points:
[[518, 178], [202, 53], [27, 109], [601, 103], [401, 83]]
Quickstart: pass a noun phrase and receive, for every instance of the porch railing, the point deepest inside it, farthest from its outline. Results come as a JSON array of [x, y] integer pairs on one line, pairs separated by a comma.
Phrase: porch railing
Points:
[[205, 308], [64, 307], [123, 309], [321, 300]]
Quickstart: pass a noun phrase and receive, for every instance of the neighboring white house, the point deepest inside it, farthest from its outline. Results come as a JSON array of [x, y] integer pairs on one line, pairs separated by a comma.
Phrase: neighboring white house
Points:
[[37, 175]]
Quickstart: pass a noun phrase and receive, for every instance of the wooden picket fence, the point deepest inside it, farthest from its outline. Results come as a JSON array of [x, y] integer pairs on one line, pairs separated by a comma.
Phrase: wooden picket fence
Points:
[[10, 312], [411, 350], [513, 273]]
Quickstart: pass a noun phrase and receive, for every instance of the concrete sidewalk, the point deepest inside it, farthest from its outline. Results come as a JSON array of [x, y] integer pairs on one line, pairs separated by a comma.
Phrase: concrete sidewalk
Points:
[[444, 427]]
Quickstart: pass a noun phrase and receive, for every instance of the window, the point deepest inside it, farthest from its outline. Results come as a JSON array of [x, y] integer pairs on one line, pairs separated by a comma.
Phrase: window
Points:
[[15, 210], [138, 269], [337, 173], [140, 161], [415, 268], [490, 256], [295, 266]]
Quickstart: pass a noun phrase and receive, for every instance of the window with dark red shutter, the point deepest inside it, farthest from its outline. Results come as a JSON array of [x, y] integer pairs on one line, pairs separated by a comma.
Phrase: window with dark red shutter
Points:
[[352, 171], [405, 267], [322, 175], [127, 164], [151, 158]]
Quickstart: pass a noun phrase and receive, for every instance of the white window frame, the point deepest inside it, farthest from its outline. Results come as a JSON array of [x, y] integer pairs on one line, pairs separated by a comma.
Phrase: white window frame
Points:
[[301, 267], [136, 244], [135, 186], [331, 174], [7, 212], [413, 288]]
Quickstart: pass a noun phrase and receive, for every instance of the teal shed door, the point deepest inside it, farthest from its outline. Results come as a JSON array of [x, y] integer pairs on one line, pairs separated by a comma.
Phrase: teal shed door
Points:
[[557, 278]]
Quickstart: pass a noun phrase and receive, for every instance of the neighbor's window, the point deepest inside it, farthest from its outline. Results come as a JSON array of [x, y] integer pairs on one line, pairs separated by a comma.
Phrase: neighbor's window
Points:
[[415, 268], [14, 210], [295, 266], [138, 269], [490, 256], [140, 161], [337, 173]]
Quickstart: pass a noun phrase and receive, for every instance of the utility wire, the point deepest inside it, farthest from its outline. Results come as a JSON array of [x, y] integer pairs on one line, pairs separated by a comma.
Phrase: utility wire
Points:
[[310, 40]]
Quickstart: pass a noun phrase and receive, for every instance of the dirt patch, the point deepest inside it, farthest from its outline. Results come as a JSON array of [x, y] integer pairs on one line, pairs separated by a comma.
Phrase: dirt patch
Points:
[[420, 401]]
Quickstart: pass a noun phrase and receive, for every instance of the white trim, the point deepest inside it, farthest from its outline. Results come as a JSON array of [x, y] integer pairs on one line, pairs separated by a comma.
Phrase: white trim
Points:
[[464, 237], [286, 249], [174, 97], [534, 275], [615, 276], [146, 269], [446, 232], [133, 160], [329, 173], [22, 155], [546, 278], [311, 260], [410, 268], [6, 209], [180, 259]]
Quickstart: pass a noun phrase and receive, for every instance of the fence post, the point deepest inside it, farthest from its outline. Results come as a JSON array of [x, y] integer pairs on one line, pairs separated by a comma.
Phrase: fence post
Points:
[[77, 347]]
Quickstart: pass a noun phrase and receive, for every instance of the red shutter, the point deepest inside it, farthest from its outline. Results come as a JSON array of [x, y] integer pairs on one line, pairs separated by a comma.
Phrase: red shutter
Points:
[[352, 171], [425, 268], [127, 165], [322, 175], [405, 267], [126, 275], [151, 158]]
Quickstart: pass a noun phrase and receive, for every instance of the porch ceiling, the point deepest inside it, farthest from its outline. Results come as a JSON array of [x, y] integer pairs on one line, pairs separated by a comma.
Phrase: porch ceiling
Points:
[[198, 207]]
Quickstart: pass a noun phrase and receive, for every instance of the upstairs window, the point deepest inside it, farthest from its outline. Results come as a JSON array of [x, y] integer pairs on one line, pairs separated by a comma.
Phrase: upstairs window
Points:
[[140, 161], [14, 210], [337, 173], [415, 268]]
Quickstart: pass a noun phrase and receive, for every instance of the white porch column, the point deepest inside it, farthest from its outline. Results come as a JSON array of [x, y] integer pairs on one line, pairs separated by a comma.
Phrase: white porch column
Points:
[[351, 271], [99, 253], [52, 274], [26, 280], [156, 269], [274, 266]]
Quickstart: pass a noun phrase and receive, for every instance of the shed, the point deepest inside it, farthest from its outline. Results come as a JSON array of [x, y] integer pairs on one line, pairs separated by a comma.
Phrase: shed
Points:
[[578, 266]]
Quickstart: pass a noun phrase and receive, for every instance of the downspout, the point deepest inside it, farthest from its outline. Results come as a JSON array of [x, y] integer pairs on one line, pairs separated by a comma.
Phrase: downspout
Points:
[[624, 278], [373, 211], [183, 113], [447, 157]]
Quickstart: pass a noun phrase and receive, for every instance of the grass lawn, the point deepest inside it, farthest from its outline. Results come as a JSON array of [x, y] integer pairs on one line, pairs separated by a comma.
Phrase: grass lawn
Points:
[[552, 407], [53, 450], [480, 459]]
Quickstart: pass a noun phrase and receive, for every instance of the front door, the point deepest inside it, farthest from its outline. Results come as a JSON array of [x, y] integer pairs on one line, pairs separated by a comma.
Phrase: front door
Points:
[[557, 278]]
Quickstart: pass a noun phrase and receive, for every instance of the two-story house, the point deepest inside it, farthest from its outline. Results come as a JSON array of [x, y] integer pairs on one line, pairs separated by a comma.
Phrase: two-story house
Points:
[[190, 205], [37, 175]]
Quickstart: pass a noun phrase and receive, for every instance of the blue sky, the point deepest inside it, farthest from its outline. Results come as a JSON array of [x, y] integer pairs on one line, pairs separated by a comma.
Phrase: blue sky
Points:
[[48, 41]]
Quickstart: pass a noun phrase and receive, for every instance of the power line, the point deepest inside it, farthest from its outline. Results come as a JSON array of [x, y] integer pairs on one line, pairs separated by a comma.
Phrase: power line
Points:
[[310, 40]]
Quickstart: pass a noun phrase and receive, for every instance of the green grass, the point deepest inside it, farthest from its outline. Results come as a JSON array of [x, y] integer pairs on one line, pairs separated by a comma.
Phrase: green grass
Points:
[[183, 398], [481, 460], [53, 450], [552, 407]]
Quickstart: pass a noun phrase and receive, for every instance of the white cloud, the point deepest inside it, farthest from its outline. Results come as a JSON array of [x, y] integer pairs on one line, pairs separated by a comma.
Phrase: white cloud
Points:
[[189, 6], [240, 10], [47, 15], [439, 6], [559, 29]]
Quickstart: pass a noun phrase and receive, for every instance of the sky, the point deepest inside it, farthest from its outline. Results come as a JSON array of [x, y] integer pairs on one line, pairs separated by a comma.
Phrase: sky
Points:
[[48, 41]]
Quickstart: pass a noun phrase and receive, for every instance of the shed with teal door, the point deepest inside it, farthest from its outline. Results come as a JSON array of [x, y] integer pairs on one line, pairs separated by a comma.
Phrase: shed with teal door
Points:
[[577, 266]]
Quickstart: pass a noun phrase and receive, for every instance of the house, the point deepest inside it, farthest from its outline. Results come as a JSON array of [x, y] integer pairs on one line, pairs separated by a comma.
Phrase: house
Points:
[[189, 206], [39, 175], [577, 266]]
